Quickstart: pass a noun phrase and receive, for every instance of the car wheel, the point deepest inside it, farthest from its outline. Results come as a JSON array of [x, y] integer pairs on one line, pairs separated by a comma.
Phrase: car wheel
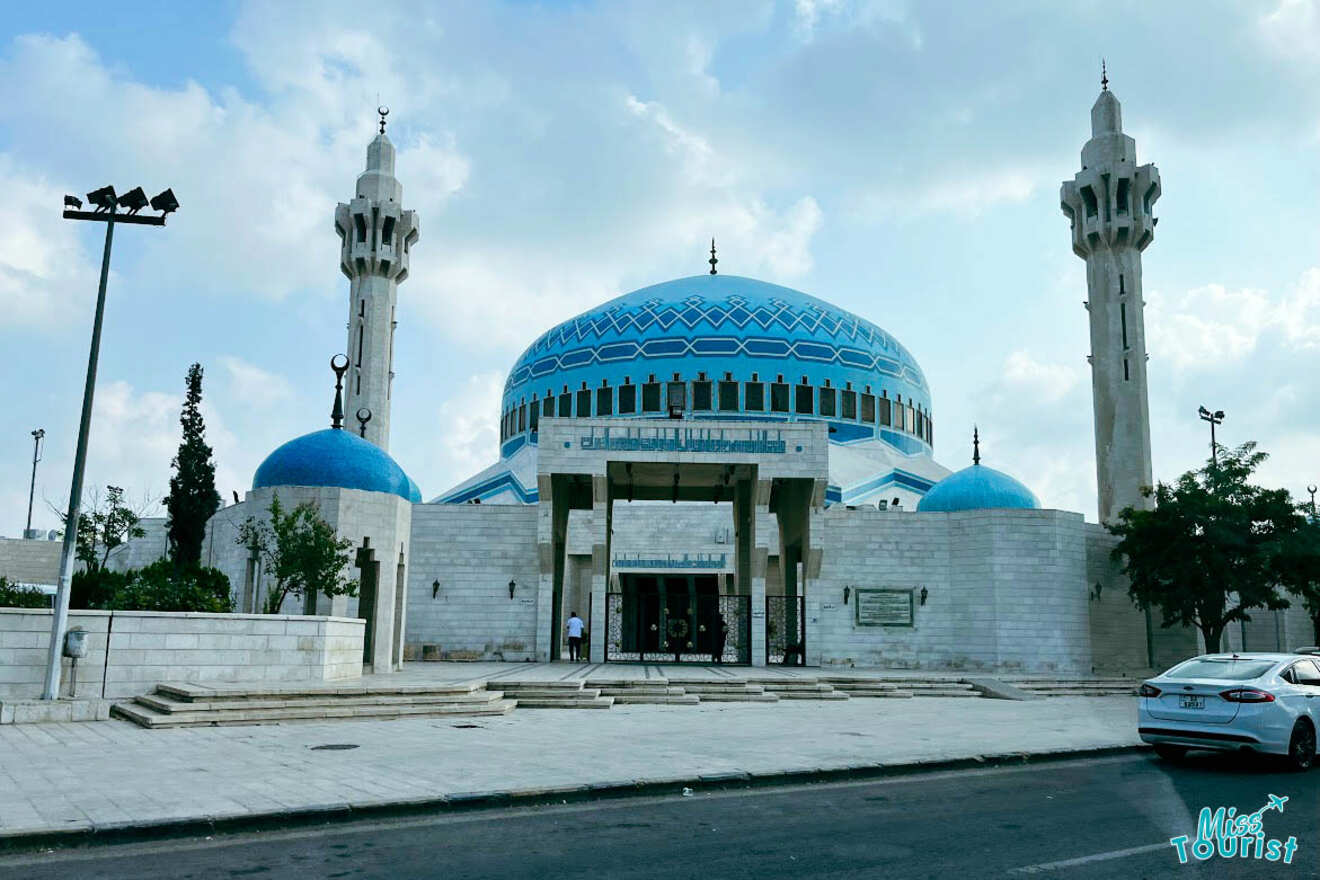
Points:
[[1301, 748], [1170, 753]]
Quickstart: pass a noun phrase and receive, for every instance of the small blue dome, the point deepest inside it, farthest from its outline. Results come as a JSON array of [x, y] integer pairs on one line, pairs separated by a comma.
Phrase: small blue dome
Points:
[[977, 488], [335, 458]]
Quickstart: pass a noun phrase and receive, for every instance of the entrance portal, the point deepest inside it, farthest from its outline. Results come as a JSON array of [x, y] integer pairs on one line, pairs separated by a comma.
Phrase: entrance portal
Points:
[[676, 618]]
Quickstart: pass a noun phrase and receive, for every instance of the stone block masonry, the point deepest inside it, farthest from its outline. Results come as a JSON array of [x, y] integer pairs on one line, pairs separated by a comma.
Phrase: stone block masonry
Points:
[[473, 551], [130, 652]]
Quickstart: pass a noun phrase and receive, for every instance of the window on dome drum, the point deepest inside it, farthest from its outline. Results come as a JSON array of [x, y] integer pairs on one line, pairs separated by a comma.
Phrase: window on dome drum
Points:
[[868, 408], [754, 397], [676, 396], [604, 401], [522, 418], [584, 403], [728, 396], [627, 399], [534, 415], [779, 397], [930, 431], [548, 406], [651, 397], [827, 401], [701, 395], [848, 399], [885, 416], [565, 405], [911, 424], [804, 400]]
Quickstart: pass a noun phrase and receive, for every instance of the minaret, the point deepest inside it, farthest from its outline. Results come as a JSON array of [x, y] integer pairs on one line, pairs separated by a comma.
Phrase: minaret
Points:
[[377, 235], [1109, 204]]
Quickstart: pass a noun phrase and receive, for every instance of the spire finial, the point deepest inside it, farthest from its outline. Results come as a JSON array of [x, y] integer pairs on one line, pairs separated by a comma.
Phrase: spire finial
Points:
[[712, 259], [337, 413], [383, 111], [1104, 77], [363, 416], [976, 445]]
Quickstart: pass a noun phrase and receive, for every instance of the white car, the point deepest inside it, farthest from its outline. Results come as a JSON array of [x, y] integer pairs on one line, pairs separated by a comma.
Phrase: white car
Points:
[[1267, 703]]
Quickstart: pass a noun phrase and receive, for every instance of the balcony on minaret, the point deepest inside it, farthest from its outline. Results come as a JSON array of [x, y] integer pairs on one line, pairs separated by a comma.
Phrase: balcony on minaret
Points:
[[376, 238]]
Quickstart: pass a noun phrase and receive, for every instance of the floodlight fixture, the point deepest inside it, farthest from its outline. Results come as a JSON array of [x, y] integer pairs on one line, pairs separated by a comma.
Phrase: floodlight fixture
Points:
[[72, 202], [134, 200], [103, 198], [166, 203]]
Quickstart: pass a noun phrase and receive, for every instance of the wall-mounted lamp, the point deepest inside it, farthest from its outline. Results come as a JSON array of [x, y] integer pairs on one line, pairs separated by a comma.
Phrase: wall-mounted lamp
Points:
[[512, 586], [435, 588], [847, 591], [923, 594]]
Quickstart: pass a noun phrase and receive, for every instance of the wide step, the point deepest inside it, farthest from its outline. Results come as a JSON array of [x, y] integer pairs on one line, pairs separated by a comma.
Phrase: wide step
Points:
[[148, 717]]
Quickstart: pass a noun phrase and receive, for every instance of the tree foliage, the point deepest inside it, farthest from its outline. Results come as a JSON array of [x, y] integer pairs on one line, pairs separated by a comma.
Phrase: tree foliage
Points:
[[105, 522], [16, 596], [1298, 569], [160, 586], [193, 498], [1214, 546], [299, 551]]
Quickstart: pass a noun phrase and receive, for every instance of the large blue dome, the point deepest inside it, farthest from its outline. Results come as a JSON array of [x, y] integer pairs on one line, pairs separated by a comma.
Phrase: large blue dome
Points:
[[977, 488], [735, 348], [335, 458]]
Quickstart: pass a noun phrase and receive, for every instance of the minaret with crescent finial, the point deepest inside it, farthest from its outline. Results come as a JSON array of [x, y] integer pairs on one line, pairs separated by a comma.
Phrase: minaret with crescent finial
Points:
[[1110, 205], [376, 236]]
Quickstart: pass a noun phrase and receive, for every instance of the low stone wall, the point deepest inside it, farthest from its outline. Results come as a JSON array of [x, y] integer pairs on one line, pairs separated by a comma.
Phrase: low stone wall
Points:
[[130, 652]]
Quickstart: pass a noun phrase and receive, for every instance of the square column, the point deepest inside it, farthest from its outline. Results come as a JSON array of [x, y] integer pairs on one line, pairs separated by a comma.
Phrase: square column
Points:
[[602, 510], [760, 553]]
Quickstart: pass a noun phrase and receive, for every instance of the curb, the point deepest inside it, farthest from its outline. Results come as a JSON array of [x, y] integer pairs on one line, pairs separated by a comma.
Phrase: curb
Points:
[[324, 814]]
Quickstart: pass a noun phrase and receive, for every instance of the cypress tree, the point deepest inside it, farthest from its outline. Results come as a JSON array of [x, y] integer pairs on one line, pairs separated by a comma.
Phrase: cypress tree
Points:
[[193, 498]]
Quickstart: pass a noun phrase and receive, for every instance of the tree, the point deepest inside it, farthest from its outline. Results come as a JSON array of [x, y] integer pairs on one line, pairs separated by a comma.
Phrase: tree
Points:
[[104, 524], [1212, 536], [1298, 568], [193, 498], [160, 586], [300, 552]]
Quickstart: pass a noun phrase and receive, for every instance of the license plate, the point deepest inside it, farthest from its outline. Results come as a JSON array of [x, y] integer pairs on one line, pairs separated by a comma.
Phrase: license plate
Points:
[[1188, 702]]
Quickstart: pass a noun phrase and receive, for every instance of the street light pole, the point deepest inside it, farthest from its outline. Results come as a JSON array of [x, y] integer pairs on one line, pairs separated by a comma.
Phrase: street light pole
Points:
[[1214, 418], [106, 212], [1312, 489], [32, 491]]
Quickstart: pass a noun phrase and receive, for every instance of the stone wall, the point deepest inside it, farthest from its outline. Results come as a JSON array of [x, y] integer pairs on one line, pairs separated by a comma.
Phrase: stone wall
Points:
[[141, 552], [30, 562], [148, 647], [1006, 590], [473, 550]]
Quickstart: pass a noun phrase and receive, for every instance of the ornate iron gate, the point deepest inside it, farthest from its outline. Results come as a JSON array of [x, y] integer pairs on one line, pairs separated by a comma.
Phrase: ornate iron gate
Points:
[[654, 628], [785, 631]]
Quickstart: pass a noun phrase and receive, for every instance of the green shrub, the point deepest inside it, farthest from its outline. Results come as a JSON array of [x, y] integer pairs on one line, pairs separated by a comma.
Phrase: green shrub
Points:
[[14, 596], [160, 587], [96, 589]]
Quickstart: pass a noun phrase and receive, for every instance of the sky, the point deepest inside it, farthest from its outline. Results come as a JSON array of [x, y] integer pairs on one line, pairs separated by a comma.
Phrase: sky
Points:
[[901, 160]]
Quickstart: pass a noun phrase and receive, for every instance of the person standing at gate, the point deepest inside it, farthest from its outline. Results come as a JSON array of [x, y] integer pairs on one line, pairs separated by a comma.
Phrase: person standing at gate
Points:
[[574, 627], [719, 636]]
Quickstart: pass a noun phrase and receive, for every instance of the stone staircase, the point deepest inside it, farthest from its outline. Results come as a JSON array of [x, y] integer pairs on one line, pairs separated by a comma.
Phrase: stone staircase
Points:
[[555, 694], [724, 690], [799, 688], [879, 686], [191, 705], [1113, 686], [627, 692]]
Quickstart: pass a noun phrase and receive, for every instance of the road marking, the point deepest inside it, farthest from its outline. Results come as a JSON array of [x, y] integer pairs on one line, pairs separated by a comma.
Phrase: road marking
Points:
[[1086, 860]]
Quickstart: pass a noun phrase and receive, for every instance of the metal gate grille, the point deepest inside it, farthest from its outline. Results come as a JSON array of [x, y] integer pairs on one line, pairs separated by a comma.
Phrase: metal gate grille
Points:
[[785, 631], [644, 628]]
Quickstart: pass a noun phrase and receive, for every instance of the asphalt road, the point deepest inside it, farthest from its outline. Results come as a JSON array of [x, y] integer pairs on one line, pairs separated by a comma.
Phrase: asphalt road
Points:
[[1110, 817]]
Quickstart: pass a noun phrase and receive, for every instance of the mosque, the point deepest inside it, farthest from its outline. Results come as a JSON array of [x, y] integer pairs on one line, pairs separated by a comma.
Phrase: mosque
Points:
[[723, 469]]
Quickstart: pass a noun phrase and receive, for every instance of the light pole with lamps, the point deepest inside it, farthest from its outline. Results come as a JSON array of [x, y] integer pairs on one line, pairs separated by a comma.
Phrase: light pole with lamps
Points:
[[107, 211], [37, 436], [1312, 489], [1214, 418]]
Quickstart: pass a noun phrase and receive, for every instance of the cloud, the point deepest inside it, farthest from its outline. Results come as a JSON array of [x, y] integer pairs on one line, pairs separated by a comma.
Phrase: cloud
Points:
[[251, 386], [1211, 326], [471, 439], [967, 197], [44, 268]]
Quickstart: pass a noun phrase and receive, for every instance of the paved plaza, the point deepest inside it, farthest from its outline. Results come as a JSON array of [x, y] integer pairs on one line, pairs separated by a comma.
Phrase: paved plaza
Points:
[[108, 775]]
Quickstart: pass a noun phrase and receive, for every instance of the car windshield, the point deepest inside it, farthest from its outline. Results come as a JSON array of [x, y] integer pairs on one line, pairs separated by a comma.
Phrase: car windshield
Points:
[[1229, 668]]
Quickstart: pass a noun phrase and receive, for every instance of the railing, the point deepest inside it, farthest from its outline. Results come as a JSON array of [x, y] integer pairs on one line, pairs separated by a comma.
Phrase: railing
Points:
[[678, 628]]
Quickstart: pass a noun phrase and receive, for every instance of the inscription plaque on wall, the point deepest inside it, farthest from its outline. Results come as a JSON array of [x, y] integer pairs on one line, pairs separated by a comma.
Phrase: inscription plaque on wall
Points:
[[884, 607]]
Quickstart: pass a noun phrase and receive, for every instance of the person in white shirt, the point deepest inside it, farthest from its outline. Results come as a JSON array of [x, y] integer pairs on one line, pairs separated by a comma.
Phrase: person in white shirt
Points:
[[574, 628]]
